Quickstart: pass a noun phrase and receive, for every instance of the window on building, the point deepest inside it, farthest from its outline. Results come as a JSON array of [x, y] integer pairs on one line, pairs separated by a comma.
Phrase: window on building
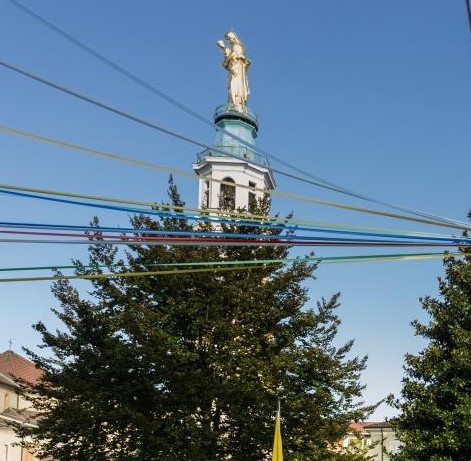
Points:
[[252, 199], [394, 446], [227, 195], [205, 203]]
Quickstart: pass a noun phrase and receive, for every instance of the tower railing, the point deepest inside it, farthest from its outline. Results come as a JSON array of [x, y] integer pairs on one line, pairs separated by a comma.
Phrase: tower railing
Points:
[[240, 152], [232, 110]]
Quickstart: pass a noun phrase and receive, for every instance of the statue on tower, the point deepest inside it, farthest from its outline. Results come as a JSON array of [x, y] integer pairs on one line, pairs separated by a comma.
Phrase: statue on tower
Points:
[[236, 63]]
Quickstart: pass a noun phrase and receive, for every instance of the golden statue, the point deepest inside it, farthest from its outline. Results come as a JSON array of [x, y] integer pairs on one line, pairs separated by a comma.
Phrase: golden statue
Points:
[[236, 63]]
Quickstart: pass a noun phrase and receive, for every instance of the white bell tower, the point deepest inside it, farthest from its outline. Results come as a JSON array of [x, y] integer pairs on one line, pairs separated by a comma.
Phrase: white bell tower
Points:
[[231, 171]]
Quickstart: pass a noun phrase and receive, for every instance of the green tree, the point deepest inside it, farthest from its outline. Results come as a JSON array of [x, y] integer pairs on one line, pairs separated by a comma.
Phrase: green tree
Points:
[[190, 365], [435, 409]]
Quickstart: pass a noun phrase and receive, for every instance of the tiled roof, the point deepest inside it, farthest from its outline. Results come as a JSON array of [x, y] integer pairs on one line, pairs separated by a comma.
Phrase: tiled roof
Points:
[[12, 364], [363, 426], [379, 424], [357, 427]]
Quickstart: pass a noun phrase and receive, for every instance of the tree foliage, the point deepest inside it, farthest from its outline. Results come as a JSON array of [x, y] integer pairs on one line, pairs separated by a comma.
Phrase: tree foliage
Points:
[[435, 409], [190, 365]]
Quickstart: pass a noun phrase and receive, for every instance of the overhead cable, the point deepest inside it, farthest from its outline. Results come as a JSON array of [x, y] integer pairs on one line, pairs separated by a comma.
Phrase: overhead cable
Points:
[[316, 180], [129, 274], [152, 125], [240, 266], [160, 128], [89, 50], [444, 222], [468, 13], [191, 238], [249, 262], [294, 230], [201, 215], [144, 122]]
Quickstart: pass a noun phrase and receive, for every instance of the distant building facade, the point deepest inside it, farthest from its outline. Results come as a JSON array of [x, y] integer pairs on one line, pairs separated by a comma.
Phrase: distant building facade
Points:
[[14, 409], [376, 440], [383, 440]]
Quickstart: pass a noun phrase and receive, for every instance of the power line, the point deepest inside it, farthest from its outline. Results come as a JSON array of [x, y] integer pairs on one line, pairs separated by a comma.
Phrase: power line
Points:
[[160, 128], [201, 214], [239, 265], [314, 180], [261, 224], [16, 132], [152, 88], [468, 11], [145, 122], [220, 241], [195, 235], [250, 262]]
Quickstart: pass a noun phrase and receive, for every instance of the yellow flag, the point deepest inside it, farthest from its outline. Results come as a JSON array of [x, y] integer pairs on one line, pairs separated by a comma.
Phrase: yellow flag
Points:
[[277, 446]]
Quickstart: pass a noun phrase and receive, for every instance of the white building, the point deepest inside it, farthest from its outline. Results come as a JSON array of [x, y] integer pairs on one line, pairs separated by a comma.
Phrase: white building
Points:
[[14, 409], [376, 440], [232, 174]]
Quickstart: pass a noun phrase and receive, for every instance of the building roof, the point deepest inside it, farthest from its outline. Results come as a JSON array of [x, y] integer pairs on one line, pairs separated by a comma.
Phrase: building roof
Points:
[[362, 427], [12, 364], [15, 415], [6, 380], [378, 424], [357, 427]]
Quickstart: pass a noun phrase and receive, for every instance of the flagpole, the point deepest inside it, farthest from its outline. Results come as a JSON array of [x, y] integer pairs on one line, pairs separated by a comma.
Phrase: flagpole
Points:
[[277, 445]]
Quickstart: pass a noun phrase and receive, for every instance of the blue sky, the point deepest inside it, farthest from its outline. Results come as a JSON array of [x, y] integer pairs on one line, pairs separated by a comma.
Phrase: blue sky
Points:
[[373, 96]]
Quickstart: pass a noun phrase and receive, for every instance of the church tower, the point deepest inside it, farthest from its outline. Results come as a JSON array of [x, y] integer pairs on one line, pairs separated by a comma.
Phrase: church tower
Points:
[[231, 171]]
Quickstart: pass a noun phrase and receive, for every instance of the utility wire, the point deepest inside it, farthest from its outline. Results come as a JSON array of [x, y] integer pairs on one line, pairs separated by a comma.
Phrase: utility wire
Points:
[[444, 222], [141, 237], [241, 266], [150, 87], [193, 113], [468, 11], [130, 274], [145, 122], [203, 215], [81, 239], [115, 66], [315, 180], [288, 226], [250, 262], [105, 106], [120, 158]]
